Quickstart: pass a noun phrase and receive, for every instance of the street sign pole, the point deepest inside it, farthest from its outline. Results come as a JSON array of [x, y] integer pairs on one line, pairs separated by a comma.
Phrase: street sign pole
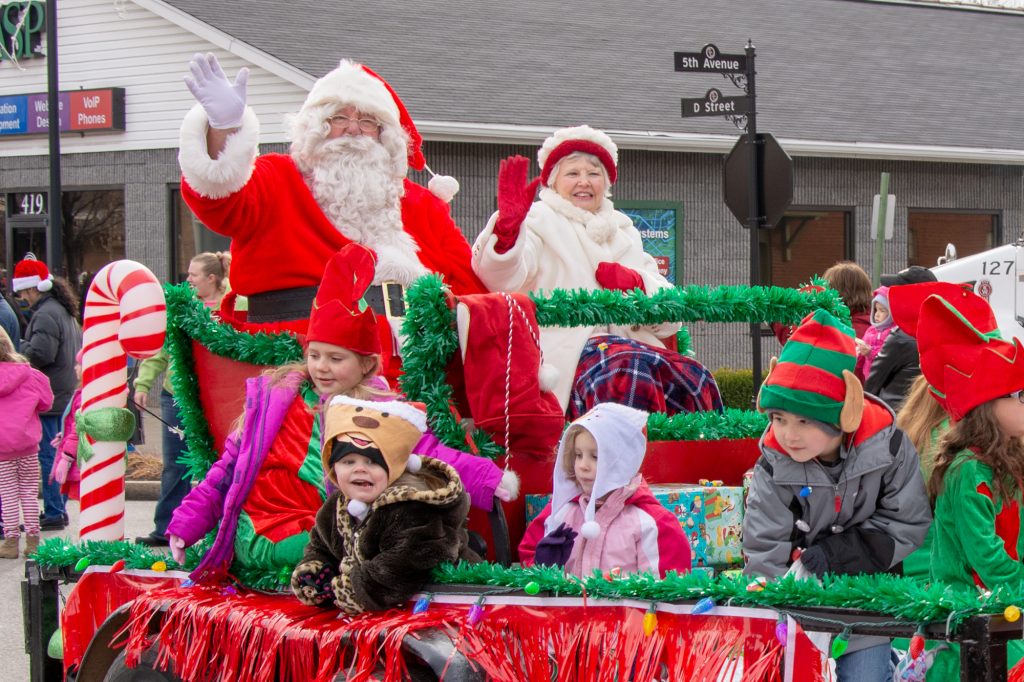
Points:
[[754, 217], [883, 209], [764, 206]]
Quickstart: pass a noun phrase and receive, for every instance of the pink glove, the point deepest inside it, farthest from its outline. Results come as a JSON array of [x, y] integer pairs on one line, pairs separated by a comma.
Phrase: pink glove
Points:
[[223, 101], [515, 195], [61, 467], [615, 276], [55, 443], [177, 546]]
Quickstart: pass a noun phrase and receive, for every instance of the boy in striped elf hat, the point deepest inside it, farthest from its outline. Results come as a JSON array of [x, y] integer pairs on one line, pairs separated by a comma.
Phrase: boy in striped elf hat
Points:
[[837, 488]]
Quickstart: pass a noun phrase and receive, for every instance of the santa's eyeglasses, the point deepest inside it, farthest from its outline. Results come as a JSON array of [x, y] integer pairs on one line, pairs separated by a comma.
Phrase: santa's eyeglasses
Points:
[[367, 125], [1019, 395]]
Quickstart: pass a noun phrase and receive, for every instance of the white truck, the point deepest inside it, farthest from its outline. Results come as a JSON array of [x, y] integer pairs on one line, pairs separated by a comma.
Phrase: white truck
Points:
[[997, 276]]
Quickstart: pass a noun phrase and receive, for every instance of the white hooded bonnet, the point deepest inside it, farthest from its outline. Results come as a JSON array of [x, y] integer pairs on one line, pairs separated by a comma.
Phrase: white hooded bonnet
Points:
[[620, 434]]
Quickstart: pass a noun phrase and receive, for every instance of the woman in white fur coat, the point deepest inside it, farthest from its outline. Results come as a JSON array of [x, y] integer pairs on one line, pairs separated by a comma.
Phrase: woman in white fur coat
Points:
[[573, 238]]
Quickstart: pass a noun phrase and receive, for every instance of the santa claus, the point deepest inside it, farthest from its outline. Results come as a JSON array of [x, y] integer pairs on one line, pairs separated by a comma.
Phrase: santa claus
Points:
[[352, 143]]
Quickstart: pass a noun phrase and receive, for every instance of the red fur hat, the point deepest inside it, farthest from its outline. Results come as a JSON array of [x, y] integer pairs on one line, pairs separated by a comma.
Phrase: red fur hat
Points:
[[336, 317], [578, 139]]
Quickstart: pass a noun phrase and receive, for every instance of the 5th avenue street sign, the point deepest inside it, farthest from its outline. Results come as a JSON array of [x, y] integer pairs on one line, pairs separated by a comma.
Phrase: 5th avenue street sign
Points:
[[714, 103], [710, 60]]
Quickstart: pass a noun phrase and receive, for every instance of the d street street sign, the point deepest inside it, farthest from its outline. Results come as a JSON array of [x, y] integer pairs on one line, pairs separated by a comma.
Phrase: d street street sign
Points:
[[714, 103], [710, 60]]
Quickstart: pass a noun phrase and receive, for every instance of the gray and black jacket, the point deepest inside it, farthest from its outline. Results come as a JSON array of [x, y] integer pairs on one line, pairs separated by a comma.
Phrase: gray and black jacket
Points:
[[52, 340], [883, 508], [883, 514]]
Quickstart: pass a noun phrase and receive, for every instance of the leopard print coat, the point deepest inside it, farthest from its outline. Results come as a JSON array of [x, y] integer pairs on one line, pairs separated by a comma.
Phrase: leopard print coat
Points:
[[417, 523]]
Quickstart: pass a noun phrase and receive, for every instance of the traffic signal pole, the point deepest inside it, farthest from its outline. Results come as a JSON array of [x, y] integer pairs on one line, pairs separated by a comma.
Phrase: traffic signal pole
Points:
[[754, 217]]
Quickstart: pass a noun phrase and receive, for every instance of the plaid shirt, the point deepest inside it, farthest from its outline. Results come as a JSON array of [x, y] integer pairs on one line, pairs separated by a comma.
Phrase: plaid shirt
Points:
[[615, 369]]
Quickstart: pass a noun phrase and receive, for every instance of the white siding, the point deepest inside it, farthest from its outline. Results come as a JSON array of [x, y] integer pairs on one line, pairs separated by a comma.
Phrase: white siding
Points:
[[104, 44]]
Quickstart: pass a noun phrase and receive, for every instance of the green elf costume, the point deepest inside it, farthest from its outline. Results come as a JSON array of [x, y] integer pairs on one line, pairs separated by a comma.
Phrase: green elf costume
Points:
[[976, 538]]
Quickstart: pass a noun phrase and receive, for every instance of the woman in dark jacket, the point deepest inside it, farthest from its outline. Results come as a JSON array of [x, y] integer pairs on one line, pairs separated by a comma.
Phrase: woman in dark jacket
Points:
[[52, 340]]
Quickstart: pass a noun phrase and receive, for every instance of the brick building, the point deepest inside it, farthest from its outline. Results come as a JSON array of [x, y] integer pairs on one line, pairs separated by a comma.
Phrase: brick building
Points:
[[851, 89]]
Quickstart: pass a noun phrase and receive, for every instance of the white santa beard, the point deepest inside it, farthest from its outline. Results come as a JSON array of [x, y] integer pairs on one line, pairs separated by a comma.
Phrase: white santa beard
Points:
[[353, 182]]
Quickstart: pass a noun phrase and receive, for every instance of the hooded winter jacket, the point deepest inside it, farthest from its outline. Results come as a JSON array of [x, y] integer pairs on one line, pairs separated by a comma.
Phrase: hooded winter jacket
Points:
[[883, 510], [24, 394], [867, 521], [637, 534], [52, 340], [416, 524]]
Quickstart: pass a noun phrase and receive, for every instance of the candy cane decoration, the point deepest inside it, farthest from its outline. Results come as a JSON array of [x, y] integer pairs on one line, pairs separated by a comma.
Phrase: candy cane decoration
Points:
[[125, 314]]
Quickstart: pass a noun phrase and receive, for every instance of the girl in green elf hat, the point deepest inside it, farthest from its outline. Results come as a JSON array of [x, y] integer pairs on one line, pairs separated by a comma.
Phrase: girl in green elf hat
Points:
[[837, 488]]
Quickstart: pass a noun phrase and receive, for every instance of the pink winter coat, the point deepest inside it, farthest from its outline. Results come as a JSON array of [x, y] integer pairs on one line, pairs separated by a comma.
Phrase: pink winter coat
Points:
[[637, 534], [24, 393]]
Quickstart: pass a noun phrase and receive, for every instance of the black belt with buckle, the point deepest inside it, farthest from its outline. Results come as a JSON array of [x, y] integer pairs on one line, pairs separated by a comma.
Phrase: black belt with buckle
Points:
[[387, 299], [282, 305]]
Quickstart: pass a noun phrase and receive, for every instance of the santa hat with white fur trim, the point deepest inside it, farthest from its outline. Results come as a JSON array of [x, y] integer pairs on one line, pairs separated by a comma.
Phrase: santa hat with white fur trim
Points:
[[578, 139], [358, 85], [621, 436], [31, 273]]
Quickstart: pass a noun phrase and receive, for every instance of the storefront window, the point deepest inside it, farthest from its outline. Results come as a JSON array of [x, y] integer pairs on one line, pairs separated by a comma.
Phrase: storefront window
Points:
[[804, 243], [189, 237], [928, 233], [93, 224]]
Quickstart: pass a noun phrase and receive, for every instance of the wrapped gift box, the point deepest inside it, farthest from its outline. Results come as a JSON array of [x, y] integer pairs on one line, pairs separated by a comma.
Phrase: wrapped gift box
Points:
[[710, 515], [535, 505]]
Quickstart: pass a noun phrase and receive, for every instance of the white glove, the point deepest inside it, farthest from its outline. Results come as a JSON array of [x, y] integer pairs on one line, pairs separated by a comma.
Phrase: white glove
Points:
[[223, 102]]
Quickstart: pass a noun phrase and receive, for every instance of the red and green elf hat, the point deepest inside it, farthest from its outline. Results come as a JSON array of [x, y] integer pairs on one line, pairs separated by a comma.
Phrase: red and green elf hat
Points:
[[813, 376], [965, 365], [336, 317], [905, 304]]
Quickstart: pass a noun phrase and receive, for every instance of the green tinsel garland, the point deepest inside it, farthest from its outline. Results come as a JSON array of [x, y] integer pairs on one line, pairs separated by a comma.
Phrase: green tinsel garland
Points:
[[733, 424], [693, 303], [188, 320], [63, 553], [429, 326], [908, 599], [684, 344]]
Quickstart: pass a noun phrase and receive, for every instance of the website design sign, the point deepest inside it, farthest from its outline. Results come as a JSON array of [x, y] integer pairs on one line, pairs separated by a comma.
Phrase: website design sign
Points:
[[80, 111]]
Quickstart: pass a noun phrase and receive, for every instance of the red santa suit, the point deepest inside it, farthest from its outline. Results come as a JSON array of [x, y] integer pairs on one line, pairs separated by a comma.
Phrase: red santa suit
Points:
[[281, 238]]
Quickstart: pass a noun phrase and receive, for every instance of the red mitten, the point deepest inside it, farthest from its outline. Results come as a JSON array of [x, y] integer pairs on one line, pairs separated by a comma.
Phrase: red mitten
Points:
[[615, 276], [515, 195]]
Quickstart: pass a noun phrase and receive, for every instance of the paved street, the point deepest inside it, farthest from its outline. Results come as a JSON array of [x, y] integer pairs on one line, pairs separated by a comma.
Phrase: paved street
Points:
[[138, 521]]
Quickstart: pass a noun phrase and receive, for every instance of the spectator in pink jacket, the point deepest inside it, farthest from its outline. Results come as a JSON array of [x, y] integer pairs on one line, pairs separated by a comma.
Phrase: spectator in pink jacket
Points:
[[24, 393], [875, 335], [602, 515], [65, 465]]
